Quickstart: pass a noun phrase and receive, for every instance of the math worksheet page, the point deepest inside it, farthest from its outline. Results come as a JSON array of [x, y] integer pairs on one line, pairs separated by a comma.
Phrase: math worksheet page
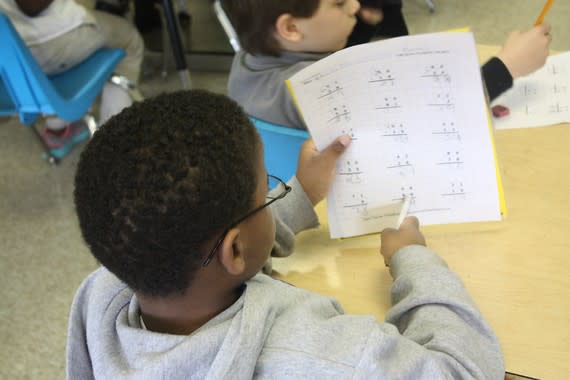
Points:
[[539, 99], [416, 113]]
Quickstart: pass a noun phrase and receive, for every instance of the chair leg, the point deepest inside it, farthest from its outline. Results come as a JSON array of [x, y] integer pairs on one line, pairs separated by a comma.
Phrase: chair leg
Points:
[[167, 55], [430, 5], [176, 44], [91, 123], [50, 157], [227, 25]]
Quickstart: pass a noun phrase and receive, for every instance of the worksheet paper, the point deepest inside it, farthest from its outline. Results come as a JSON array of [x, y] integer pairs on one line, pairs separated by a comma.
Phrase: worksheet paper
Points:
[[539, 99], [415, 109]]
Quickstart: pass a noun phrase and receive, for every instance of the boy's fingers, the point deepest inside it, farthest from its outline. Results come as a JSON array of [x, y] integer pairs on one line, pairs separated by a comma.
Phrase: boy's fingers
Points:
[[371, 15], [410, 222], [334, 150], [545, 28], [309, 144], [337, 147]]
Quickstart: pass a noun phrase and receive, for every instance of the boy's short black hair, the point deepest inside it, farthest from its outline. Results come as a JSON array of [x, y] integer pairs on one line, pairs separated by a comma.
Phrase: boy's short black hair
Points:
[[254, 21], [161, 178]]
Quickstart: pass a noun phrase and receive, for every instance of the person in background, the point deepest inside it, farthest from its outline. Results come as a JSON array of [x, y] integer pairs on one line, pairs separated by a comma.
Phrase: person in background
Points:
[[173, 200], [60, 34], [281, 38], [382, 18]]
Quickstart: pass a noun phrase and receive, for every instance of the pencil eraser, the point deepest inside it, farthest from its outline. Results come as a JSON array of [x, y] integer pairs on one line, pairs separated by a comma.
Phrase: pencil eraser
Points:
[[500, 111]]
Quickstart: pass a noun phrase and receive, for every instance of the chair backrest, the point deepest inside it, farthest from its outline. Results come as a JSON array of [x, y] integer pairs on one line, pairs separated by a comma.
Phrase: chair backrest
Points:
[[22, 76], [281, 147], [7, 106], [32, 93]]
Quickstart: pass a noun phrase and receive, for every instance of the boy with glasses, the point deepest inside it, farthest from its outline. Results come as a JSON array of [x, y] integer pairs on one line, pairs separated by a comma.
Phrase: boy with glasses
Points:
[[173, 199]]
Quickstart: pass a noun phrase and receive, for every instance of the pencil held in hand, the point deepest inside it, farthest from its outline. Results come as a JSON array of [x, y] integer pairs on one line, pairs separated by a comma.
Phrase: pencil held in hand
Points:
[[545, 10], [404, 211]]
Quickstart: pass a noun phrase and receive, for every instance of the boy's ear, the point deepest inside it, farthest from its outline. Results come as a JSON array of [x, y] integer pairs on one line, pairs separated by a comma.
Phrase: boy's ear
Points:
[[286, 28], [231, 253]]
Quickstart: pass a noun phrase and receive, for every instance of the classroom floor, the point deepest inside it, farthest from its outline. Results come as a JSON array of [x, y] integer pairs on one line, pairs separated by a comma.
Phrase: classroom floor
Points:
[[42, 256]]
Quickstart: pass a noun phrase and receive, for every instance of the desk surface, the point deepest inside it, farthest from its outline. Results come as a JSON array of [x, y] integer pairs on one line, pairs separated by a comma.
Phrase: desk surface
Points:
[[517, 270]]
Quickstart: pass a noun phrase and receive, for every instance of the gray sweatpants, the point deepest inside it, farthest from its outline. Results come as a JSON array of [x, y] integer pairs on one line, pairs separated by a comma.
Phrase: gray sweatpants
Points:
[[69, 49]]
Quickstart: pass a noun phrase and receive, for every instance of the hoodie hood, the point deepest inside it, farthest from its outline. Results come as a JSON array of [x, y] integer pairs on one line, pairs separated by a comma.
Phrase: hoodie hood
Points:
[[227, 346]]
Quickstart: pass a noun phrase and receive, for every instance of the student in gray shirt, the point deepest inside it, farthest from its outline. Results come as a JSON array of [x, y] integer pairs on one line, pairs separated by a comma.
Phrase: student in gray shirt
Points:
[[172, 199], [280, 38]]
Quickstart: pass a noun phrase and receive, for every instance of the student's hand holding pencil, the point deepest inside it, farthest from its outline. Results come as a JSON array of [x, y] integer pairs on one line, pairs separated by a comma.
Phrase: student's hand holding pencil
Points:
[[544, 12], [393, 240], [527, 51]]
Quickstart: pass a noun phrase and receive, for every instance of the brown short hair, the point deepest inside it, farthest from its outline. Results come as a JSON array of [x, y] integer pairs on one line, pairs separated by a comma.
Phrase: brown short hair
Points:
[[254, 21]]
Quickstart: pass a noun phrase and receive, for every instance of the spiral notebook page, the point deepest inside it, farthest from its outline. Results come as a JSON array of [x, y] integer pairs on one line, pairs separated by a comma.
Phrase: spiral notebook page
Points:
[[415, 109]]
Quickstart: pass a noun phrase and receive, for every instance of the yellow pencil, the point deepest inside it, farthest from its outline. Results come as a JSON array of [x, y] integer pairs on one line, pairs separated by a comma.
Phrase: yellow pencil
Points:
[[545, 10]]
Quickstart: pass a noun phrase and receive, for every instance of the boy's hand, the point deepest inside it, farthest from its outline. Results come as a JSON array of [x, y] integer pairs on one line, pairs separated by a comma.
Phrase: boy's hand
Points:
[[315, 169], [371, 16], [525, 52], [391, 240]]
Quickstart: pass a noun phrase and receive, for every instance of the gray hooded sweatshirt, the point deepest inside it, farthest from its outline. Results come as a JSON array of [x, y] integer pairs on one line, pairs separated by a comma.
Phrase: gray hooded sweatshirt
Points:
[[277, 331], [257, 83]]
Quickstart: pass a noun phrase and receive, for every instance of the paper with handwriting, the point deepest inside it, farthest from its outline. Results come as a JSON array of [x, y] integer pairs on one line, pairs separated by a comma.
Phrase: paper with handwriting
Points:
[[415, 110], [539, 99]]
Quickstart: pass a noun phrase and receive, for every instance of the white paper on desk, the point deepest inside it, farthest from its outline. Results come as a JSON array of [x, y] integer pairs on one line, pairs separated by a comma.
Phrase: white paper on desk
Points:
[[415, 109], [539, 99]]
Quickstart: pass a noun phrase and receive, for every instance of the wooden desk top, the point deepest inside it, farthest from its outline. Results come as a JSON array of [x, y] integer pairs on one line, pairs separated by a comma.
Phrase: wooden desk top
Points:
[[517, 270]]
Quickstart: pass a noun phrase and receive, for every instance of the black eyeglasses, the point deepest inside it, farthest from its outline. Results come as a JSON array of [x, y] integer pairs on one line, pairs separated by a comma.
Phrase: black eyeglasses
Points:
[[281, 190]]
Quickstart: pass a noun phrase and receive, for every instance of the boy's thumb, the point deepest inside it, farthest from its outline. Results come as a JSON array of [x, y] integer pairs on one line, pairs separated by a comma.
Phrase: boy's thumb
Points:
[[410, 222], [337, 147]]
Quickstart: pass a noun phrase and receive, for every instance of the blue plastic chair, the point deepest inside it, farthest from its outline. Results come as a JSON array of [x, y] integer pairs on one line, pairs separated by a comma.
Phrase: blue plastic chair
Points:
[[27, 91], [281, 147]]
